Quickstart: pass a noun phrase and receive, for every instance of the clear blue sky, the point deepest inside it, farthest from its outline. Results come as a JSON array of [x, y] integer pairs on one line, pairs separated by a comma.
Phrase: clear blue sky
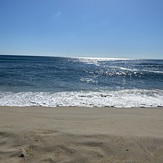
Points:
[[82, 28]]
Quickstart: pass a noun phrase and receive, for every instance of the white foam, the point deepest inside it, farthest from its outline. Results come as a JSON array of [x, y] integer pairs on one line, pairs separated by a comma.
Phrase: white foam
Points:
[[88, 80], [123, 98]]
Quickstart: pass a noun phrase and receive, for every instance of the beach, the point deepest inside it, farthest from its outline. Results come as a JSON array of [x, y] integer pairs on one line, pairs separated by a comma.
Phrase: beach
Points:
[[79, 134]]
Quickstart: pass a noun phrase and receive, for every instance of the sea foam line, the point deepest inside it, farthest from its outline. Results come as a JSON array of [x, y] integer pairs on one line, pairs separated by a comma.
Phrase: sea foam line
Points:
[[123, 98]]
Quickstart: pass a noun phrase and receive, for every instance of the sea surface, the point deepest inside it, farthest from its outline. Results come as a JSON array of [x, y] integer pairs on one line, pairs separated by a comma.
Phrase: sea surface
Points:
[[91, 82]]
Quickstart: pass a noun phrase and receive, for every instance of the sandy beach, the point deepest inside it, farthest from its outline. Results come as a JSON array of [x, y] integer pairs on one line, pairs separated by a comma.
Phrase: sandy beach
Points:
[[74, 134]]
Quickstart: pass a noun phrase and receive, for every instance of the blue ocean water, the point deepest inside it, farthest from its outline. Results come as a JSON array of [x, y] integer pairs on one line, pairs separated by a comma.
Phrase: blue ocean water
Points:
[[57, 81]]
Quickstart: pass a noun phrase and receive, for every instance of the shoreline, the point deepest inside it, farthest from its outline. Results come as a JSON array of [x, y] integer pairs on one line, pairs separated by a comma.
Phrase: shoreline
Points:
[[84, 107], [80, 134]]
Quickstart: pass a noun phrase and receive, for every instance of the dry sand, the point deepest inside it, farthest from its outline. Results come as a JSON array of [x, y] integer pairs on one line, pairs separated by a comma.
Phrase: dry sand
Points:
[[73, 134]]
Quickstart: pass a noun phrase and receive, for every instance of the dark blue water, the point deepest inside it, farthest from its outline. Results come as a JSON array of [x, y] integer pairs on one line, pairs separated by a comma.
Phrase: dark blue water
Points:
[[51, 75]]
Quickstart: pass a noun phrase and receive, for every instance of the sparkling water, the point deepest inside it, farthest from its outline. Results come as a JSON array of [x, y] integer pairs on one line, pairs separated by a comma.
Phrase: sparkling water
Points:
[[92, 82]]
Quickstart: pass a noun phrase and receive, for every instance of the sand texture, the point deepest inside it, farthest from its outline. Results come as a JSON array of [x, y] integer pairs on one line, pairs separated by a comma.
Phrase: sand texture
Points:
[[81, 135]]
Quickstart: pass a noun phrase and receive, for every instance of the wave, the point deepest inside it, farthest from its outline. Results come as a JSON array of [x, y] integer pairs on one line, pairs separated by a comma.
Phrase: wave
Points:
[[122, 98]]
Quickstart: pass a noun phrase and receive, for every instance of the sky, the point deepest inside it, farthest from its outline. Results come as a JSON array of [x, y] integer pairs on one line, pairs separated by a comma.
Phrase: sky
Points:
[[82, 28]]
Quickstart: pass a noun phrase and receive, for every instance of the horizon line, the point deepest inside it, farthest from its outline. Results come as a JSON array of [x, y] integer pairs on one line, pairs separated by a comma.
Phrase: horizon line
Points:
[[81, 57]]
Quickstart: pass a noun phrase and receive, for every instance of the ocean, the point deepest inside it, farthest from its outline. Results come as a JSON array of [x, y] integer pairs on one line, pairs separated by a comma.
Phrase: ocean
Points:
[[85, 82]]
